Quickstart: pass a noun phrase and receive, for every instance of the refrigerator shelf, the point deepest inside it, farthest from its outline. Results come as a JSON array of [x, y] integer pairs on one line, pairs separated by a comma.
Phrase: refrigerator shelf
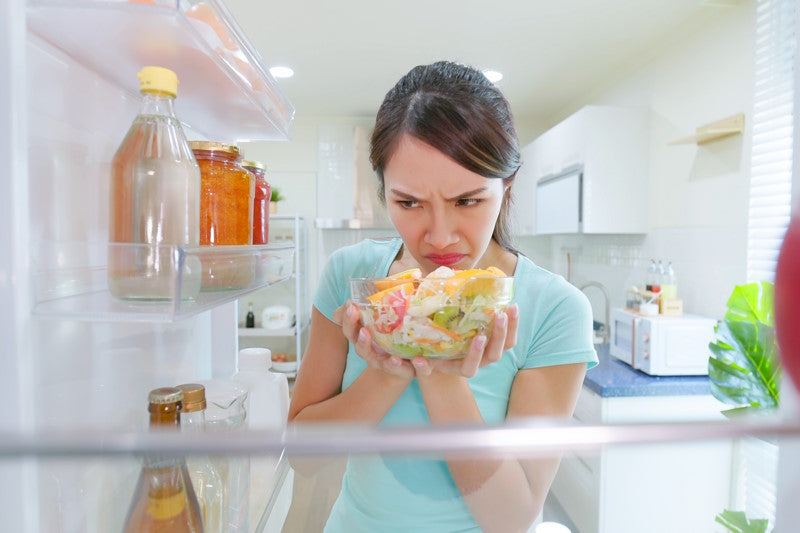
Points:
[[225, 92], [71, 280]]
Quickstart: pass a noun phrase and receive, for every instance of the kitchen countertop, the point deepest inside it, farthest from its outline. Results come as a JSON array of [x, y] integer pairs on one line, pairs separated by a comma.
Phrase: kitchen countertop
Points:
[[613, 378]]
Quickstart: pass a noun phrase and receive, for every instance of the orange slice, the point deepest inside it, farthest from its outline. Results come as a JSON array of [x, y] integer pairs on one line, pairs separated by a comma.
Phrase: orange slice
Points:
[[407, 288], [399, 278], [462, 276]]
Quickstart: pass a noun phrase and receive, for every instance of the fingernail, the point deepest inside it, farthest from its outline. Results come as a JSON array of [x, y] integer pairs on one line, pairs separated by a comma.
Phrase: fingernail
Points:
[[362, 336], [513, 311], [418, 363], [502, 319], [480, 342]]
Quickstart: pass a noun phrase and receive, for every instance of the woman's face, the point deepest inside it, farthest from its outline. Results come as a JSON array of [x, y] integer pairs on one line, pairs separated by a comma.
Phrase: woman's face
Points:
[[445, 213]]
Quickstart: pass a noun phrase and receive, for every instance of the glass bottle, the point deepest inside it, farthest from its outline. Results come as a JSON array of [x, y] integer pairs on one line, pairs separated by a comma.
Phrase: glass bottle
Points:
[[263, 193], [154, 200], [164, 500], [669, 287], [250, 320], [206, 481], [650, 278]]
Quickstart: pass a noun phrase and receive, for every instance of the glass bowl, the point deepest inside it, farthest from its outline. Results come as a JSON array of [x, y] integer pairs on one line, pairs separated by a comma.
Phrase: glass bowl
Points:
[[435, 318]]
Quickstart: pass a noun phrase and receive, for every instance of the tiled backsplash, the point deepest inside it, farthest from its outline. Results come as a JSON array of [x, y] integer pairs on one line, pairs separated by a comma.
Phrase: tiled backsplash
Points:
[[708, 263]]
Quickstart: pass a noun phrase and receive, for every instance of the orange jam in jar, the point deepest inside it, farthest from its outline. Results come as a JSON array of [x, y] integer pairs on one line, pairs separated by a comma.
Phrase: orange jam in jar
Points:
[[227, 191], [260, 203]]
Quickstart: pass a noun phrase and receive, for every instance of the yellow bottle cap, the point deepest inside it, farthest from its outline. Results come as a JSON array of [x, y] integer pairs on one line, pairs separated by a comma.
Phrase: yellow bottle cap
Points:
[[158, 79]]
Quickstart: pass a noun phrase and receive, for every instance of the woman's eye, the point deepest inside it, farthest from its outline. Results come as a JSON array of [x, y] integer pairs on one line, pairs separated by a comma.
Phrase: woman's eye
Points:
[[466, 202]]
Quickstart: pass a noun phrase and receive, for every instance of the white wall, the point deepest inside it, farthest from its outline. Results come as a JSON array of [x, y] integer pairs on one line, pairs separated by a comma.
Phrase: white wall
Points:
[[698, 194]]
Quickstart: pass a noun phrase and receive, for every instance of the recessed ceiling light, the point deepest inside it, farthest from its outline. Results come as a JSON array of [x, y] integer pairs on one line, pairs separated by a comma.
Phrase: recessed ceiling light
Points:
[[281, 72], [493, 76]]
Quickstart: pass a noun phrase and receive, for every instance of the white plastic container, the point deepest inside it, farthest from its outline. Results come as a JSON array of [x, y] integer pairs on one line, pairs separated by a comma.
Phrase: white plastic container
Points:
[[267, 403], [267, 407]]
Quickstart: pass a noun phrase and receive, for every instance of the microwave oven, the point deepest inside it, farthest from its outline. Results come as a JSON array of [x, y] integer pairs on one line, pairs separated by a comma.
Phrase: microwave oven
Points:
[[662, 345]]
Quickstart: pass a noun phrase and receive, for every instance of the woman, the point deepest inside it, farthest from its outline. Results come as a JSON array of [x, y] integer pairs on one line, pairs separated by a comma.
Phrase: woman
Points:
[[446, 153]]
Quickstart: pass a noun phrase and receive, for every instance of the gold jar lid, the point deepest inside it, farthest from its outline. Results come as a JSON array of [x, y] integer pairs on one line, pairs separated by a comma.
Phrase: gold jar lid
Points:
[[213, 146], [254, 164], [165, 395], [194, 397]]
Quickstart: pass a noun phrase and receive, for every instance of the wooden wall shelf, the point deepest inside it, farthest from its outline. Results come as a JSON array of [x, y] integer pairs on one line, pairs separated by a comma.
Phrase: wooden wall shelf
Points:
[[733, 125]]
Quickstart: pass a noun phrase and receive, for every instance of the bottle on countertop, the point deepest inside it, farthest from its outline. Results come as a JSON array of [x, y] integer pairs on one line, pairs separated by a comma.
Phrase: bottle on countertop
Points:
[[650, 278], [206, 481], [164, 500], [669, 287], [250, 321]]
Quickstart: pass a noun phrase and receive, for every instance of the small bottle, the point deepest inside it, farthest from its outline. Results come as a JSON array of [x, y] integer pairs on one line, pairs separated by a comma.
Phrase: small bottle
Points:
[[164, 500], [650, 278], [154, 199], [250, 321], [657, 279], [669, 288], [206, 481]]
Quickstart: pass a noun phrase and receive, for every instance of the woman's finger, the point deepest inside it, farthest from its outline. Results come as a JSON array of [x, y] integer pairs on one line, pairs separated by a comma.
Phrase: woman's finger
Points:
[[472, 361], [513, 325], [496, 342], [351, 323]]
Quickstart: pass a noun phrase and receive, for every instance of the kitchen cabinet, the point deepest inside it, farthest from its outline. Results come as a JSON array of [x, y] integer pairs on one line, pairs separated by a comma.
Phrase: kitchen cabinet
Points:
[[291, 230], [587, 174], [627, 489]]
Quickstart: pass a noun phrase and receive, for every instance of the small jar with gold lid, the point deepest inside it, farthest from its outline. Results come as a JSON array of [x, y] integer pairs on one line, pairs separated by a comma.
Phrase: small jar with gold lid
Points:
[[260, 202], [227, 191]]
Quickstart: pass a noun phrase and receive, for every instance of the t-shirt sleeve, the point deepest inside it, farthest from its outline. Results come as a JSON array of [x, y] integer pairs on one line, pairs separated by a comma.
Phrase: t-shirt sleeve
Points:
[[330, 295], [565, 334]]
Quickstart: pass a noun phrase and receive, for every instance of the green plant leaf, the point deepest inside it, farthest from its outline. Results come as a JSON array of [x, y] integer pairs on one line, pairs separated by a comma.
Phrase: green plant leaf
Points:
[[752, 303], [737, 522], [744, 369]]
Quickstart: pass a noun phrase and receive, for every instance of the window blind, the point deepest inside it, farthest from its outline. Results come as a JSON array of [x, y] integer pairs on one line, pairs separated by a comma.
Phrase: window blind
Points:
[[756, 460], [772, 127]]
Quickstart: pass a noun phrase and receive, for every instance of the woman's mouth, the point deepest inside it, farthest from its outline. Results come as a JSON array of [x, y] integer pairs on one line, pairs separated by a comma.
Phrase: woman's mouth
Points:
[[446, 259]]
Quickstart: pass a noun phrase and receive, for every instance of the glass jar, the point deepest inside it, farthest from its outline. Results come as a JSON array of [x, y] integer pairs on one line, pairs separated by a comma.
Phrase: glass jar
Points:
[[260, 203], [226, 214]]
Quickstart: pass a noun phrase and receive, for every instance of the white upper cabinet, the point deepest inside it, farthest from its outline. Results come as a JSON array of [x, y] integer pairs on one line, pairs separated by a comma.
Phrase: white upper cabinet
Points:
[[588, 174]]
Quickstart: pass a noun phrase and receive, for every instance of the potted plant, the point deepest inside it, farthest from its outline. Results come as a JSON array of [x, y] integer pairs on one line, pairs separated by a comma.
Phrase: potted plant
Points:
[[275, 197], [744, 369]]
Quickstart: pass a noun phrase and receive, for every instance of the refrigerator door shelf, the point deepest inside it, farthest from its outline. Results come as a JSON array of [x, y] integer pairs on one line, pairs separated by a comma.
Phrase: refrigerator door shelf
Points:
[[71, 280], [224, 92]]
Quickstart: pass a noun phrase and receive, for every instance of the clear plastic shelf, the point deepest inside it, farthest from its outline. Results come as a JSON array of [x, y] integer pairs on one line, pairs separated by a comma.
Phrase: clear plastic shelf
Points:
[[150, 283], [225, 91]]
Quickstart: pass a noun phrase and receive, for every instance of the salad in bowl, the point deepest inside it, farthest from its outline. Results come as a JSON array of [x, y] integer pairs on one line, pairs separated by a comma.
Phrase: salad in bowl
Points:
[[435, 316]]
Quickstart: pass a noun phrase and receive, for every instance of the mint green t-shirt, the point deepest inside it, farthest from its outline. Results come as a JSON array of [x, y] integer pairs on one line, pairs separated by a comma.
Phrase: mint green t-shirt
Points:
[[396, 494]]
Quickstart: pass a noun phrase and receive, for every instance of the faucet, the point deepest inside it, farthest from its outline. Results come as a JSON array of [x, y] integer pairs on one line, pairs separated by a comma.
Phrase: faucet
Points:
[[606, 325]]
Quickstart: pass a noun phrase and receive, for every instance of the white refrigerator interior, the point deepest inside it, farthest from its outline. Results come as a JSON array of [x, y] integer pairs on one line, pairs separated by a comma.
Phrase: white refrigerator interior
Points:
[[69, 97]]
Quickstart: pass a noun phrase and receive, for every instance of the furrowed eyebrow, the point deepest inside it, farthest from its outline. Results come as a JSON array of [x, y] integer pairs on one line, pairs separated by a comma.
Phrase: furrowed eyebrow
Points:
[[457, 197]]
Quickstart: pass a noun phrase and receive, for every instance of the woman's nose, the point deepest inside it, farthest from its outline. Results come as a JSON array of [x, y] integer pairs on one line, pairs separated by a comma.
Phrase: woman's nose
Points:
[[440, 232]]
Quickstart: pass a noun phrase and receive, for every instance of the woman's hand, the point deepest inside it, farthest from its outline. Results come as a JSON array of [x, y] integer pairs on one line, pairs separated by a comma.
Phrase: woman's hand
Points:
[[481, 353], [350, 319]]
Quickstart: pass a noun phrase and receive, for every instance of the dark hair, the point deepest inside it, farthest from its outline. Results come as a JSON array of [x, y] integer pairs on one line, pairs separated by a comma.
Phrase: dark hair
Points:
[[456, 110]]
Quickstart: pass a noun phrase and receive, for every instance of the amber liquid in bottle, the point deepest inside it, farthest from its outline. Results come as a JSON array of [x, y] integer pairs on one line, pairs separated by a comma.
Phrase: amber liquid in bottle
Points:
[[154, 204], [164, 500]]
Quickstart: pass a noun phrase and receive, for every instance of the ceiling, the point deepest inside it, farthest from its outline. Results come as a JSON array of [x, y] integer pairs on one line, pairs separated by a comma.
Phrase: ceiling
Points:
[[346, 54]]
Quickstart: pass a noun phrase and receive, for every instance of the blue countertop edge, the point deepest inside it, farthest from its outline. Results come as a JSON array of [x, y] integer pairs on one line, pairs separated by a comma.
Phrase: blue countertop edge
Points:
[[613, 378]]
